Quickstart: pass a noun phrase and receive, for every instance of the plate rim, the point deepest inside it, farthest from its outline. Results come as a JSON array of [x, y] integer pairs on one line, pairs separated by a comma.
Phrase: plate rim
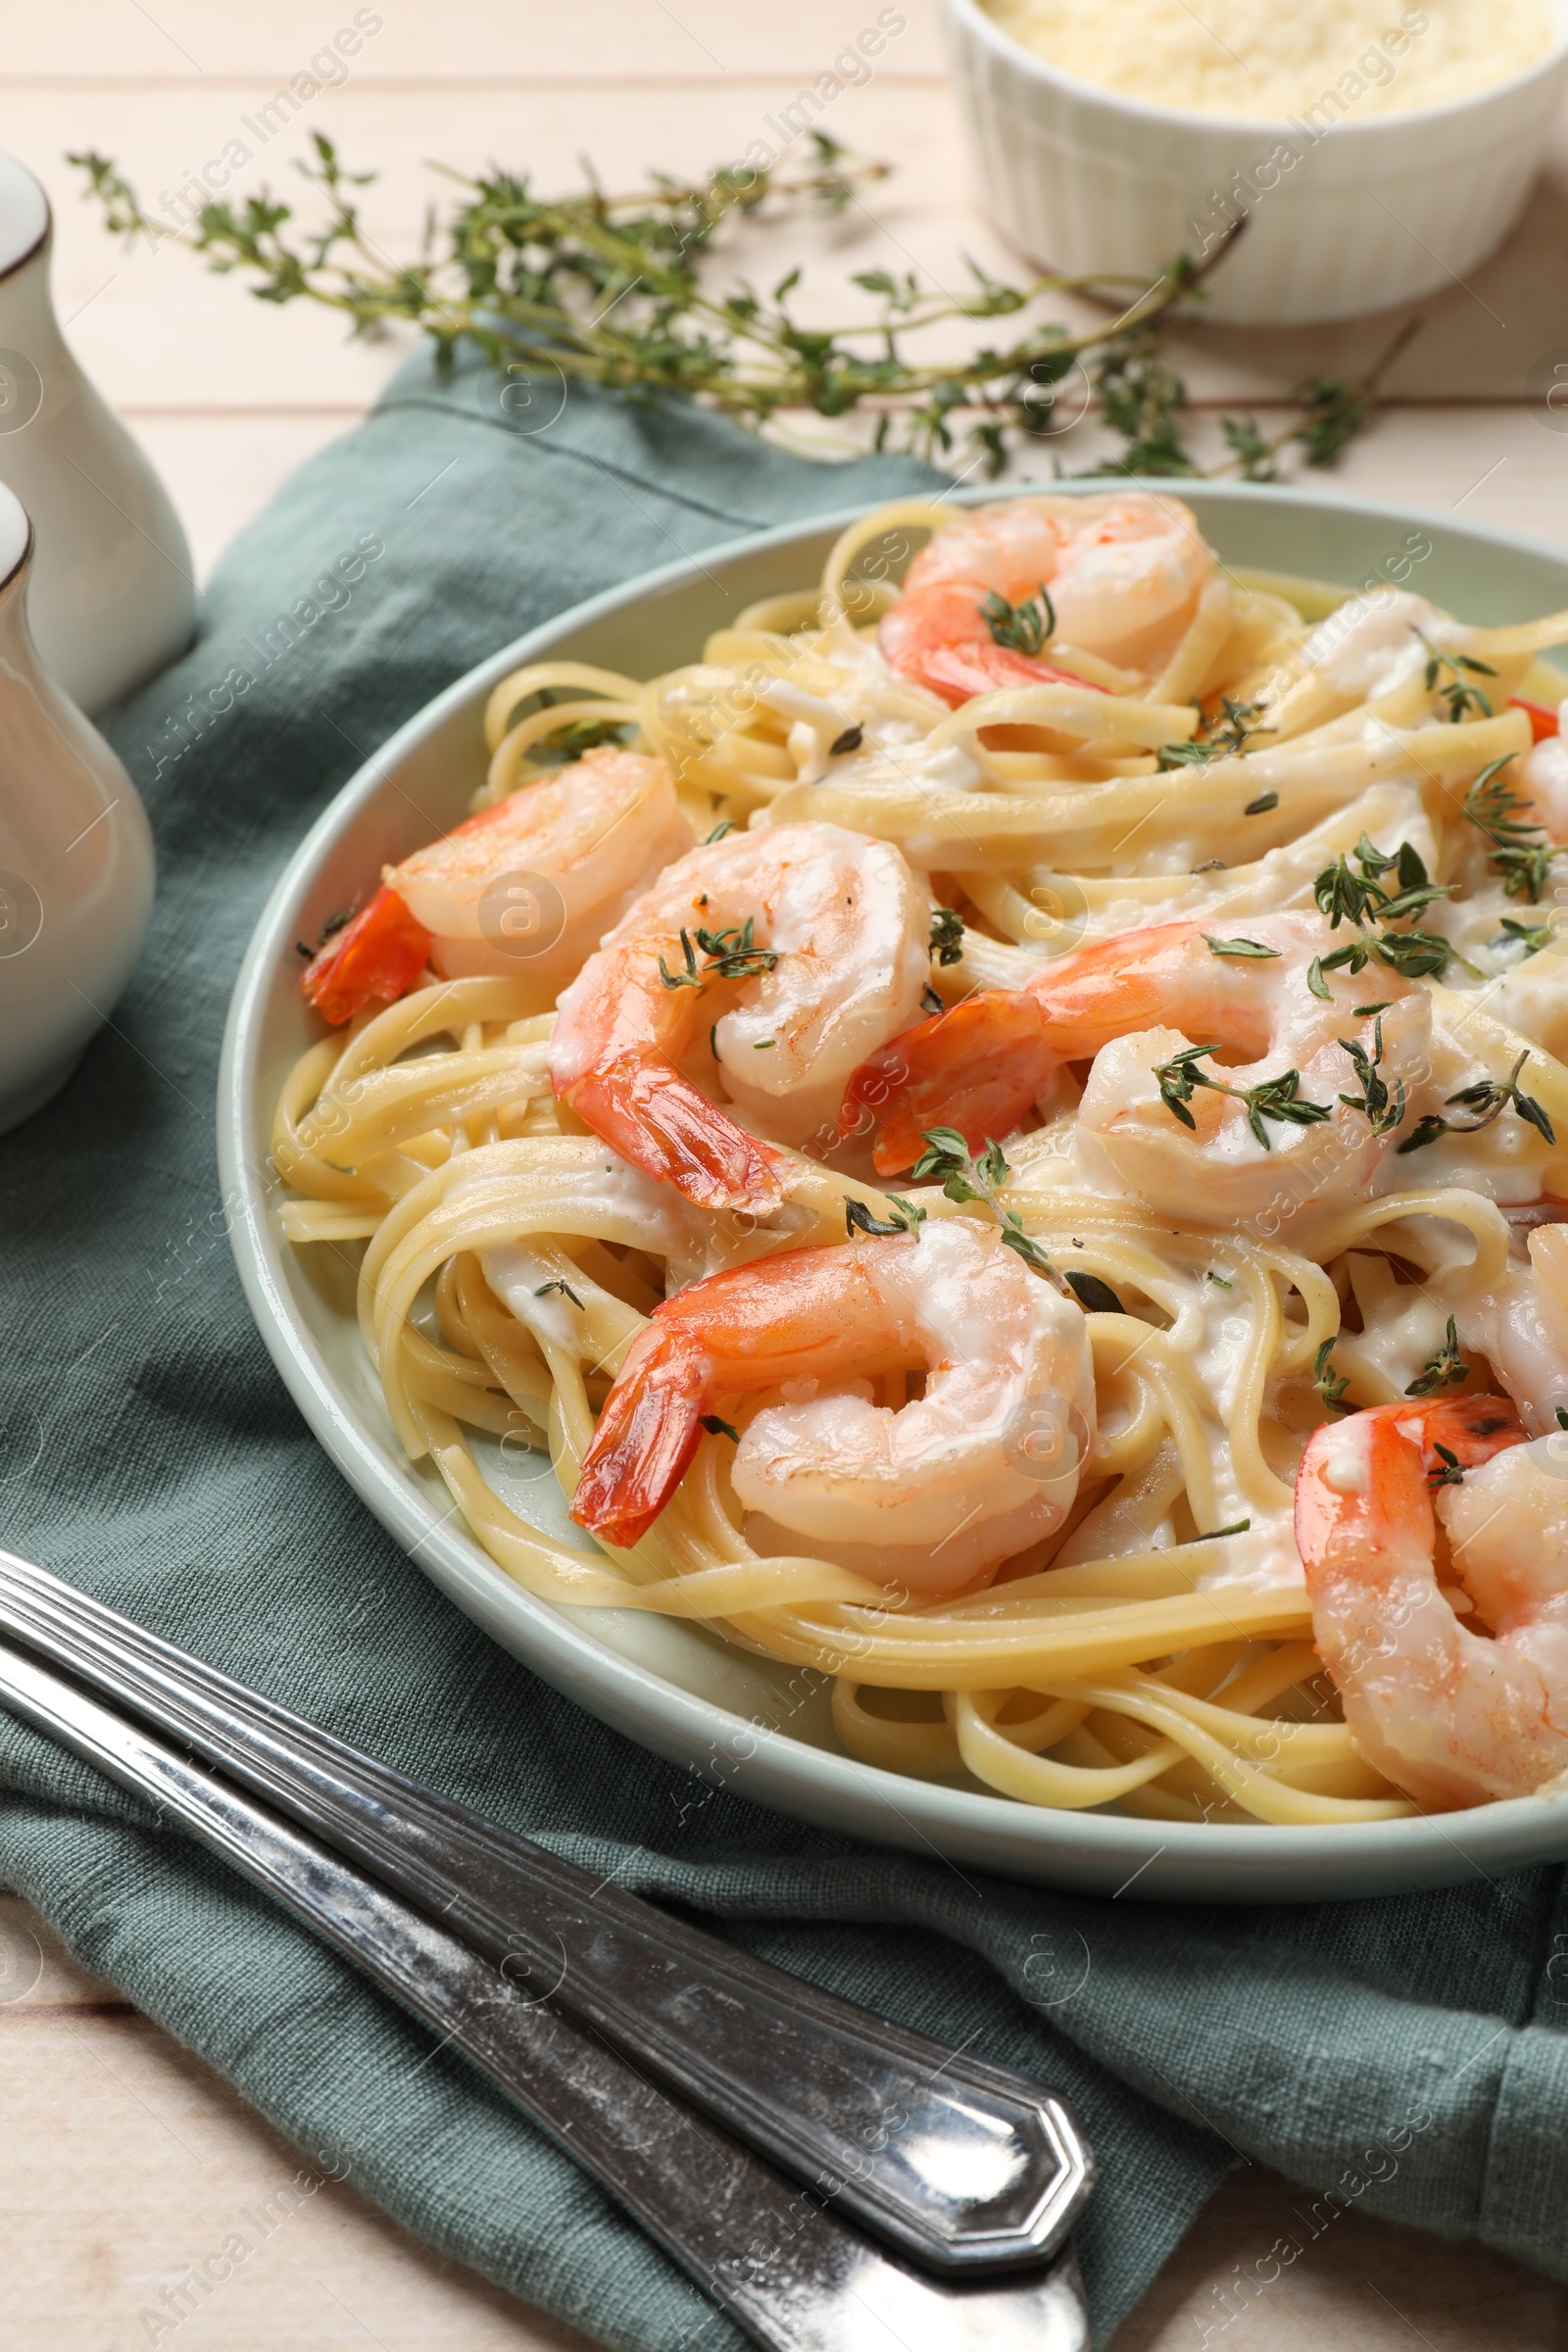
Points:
[[1079, 1851]]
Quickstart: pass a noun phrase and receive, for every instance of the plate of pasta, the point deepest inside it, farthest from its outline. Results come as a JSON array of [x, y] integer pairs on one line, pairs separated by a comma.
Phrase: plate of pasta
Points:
[[927, 1163]]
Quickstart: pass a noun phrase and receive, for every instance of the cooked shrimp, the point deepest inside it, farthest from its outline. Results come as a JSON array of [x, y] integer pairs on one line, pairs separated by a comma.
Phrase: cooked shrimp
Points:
[[1137, 1004], [527, 888], [933, 1496], [1452, 1716], [1123, 573], [775, 961], [1520, 1325], [1543, 775]]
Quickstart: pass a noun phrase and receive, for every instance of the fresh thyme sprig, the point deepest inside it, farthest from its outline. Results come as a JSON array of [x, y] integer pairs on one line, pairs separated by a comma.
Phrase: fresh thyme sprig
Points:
[[1229, 735], [1358, 896], [1531, 937], [607, 290], [1450, 1474], [1457, 694], [1332, 412], [1521, 854], [1272, 1098], [1487, 1098], [1383, 1112], [1329, 1383], [980, 1176], [1441, 1370], [1024, 627], [729, 955]]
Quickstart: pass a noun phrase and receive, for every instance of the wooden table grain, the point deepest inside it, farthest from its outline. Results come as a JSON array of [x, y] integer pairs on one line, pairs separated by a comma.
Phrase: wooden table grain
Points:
[[125, 2159]]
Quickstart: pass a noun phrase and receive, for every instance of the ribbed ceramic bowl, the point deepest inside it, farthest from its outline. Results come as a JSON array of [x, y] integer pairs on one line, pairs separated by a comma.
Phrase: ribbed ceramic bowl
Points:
[[736, 1721], [1347, 213]]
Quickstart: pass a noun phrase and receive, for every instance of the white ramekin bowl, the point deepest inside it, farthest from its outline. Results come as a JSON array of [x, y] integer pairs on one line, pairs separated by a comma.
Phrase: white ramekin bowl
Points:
[[1382, 208]]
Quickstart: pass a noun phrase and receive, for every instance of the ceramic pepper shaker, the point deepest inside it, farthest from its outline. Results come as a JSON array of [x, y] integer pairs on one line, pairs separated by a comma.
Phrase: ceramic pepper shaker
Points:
[[113, 596], [76, 858]]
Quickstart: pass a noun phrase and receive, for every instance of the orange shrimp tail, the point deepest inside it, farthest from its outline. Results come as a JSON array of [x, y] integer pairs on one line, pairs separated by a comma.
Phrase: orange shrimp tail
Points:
[[646, 1438], [1542, 720], [661, 1123], [977, 1068], [374, 959], [958, 672], [1331, 1523]]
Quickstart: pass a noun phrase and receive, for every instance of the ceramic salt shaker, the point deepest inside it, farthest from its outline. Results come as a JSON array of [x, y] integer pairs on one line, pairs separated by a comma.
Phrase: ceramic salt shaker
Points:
[[113, 596], [76, 858]]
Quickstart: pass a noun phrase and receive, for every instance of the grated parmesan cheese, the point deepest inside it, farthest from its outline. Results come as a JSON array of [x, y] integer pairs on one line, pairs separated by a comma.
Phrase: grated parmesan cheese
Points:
[[1262, 62]]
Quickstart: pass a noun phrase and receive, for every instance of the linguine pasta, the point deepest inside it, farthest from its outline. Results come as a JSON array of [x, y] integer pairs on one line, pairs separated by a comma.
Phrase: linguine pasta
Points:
[[1155, 1651]]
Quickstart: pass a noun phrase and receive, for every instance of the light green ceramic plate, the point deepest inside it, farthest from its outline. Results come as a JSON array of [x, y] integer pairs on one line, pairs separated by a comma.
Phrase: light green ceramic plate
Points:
[[731, 1717]]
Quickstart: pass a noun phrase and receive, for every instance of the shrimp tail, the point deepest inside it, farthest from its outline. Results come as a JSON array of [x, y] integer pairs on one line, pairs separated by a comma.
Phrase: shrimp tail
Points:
[[958, 672], [1344, 1511], [977, 1068], [374, 959], [658, 1121], [645, 1439]]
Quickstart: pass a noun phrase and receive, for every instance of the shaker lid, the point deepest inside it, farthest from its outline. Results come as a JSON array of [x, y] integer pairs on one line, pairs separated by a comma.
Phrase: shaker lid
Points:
[[16, 532], [24, 213]]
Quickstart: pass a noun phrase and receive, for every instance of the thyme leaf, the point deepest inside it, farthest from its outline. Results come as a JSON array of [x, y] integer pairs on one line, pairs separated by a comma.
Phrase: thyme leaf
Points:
[[947, 935], [1095, 1297], [1442, 1369], [907, 1218], [1239, 947]]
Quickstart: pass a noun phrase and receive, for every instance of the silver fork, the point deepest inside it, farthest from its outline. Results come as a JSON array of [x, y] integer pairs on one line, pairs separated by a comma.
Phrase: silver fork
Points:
[[965, 2167], [794, 2276]]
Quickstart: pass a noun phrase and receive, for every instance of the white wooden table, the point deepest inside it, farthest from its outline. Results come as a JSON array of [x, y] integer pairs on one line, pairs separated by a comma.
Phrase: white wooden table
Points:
[[124, 2158]]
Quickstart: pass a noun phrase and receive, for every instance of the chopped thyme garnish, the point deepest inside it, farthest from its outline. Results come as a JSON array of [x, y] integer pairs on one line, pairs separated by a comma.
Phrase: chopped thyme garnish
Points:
[[730, 956], [1329, 1383], [1522, 854], [1272, 1099], [1487, 1098], [1451, 1475], [1458, 695], [1383, 1112], [1442, 1369], [947, 935], [980, 1176], [1024, 627]]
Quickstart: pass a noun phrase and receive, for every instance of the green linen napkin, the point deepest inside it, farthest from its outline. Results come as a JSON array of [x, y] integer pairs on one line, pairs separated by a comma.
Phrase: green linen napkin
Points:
[[1409, 2054]]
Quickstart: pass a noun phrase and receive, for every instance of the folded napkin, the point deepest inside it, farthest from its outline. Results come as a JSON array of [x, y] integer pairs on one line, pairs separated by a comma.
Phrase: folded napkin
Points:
[[1409, 2055]]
